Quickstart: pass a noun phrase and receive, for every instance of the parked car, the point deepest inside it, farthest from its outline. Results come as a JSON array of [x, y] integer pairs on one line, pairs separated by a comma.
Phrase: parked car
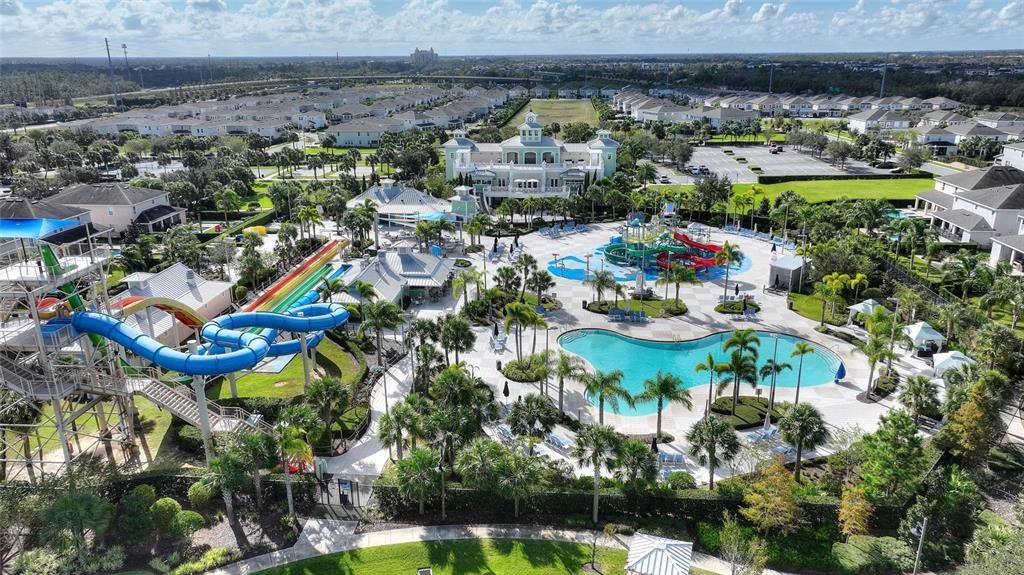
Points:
[[664, 179], [896, 171], [704, 170]]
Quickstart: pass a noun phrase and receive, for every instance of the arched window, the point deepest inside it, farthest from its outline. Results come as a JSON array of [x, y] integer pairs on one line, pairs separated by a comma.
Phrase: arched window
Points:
[[530, 158], [511, 158], [549, 158]]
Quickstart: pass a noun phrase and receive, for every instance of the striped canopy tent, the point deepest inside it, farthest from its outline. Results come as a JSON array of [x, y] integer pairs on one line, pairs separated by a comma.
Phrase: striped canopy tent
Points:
[[651, 555]]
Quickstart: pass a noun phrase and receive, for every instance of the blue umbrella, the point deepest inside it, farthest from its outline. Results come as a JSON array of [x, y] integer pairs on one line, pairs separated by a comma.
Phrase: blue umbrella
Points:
[[841, 372]]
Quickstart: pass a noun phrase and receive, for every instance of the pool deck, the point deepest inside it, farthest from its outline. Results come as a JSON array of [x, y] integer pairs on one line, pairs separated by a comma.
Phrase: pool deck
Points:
[[838, 403]]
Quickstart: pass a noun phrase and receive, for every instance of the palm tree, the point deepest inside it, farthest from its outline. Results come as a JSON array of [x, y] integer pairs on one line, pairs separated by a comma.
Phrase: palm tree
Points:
[[665, 388], [838, 283], [676, 275], [327, 394], [601, 280], [540, 282], [804, 427], [462, 281], [456, 335], [741, 368], [877, 350], [429, 361], [567, 366], [745, 341], [379, 316], [258, 451], [728, 255], [363, 290], [770, 371], [518, 475], [532, 415], [294, 448], [800, 349], [226, 201], [521, 316], [858, 281], [607, 387], [595, 446], [713, 440], [713, 367], [308, 217], [635, 462], [477, 463], [967, 270], [919, 393], [952, 316], [418, 476], [526, 264], [825, 293], [226, 474], [645, 172], [932, 250]]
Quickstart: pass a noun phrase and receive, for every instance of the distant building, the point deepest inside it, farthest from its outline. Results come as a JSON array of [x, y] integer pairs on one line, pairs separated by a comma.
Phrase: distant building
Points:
[[119, 205], [421, 58]]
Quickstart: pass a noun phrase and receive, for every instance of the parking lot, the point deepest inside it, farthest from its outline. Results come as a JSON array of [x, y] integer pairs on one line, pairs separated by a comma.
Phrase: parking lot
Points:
[[786, 163]]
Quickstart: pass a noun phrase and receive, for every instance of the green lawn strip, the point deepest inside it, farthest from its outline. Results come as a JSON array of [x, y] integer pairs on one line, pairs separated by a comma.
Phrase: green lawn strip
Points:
[[289, 382], [463, 557], [816, 191], [561, 111], [652, 307], [809, 306], [114, 277], [156, 423], [1001, 314]]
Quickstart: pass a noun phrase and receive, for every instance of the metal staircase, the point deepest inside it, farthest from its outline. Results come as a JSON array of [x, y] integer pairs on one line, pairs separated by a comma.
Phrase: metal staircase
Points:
[[181, 401]]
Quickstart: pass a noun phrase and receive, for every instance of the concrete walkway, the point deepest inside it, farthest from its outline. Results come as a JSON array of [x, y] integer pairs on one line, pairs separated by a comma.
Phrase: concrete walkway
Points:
[[326, 536]]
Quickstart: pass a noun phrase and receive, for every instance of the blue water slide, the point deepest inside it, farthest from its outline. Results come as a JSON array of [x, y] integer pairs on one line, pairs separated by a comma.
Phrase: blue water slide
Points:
[[226, 332]]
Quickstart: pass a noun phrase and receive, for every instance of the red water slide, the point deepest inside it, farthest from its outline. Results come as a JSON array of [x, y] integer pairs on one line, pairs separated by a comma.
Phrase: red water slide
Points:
[[666, 259], [681, 237]]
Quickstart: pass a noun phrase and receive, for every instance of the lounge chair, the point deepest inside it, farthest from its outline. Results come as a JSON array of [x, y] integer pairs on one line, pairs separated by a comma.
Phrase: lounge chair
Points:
[[505, 433], [746, 233], [641, 316], [558, 442], [582, 228], [790, 246], [731, 230], [783, 450], [664, 473], [763, 236], [778, 241], [544, 231]]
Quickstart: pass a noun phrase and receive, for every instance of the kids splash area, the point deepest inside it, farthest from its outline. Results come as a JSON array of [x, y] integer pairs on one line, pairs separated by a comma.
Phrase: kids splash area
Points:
[[76, 354], [647, 249]]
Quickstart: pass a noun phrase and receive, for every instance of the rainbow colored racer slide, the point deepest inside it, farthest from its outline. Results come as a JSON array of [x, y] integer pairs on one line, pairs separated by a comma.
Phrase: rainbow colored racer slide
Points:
[[231, 344]]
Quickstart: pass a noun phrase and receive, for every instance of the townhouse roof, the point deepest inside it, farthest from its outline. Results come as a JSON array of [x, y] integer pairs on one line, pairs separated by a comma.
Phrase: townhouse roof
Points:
[[964, 219], [991, 177], [999, 198], [106, 194], [974, 129]]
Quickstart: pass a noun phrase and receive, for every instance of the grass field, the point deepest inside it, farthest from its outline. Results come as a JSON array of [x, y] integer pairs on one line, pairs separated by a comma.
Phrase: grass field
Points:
[[465, 557], [809, 306], [829, 190], [561, 111], [290, 382]]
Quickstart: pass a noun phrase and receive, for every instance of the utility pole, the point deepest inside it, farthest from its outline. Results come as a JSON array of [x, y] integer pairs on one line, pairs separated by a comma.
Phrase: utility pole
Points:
[[881, 93], [209, 70], [124, 48], [771, 77], [110, 69]]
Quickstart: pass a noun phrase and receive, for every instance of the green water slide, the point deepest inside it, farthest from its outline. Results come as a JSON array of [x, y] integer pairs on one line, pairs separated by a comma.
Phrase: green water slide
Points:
[[74, 300]]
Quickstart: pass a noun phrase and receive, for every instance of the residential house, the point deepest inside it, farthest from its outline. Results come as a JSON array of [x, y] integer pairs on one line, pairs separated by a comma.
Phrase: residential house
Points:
[[1000, 120], [364, 132], [119, 205], [976, 205], [881, 120]]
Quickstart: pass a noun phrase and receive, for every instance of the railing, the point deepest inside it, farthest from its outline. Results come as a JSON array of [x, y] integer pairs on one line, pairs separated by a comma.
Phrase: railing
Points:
[[901, 274], [949, 234]]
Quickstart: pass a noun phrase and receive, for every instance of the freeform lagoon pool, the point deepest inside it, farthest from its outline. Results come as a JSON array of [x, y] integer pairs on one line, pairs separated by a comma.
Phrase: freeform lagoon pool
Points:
[[640, 359]]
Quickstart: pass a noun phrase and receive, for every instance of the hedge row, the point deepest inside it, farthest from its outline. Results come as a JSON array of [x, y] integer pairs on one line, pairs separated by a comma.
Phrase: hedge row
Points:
[[259, 219], [692, 504], [810, 177]]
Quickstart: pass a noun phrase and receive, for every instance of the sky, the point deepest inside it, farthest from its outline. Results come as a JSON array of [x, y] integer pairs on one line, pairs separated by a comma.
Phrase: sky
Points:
[[234, 28]]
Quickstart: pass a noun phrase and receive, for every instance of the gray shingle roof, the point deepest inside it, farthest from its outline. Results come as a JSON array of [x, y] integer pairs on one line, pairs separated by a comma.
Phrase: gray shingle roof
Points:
[[106, 194], [964, 219], [988, 178], [22, 209], [998, 198], [936, 197], [1013, 242]]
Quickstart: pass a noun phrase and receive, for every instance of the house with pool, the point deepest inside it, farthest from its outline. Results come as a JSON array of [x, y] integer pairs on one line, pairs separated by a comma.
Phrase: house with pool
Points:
[[530, 164]]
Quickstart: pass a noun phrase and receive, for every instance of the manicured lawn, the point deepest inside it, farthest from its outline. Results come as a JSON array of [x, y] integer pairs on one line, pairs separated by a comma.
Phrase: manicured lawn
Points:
[[809, 306], [740, 140], [561, 111], [652, 307], [114, 277], [290, 382], [465, 557], [829, 190], [1001, 314]]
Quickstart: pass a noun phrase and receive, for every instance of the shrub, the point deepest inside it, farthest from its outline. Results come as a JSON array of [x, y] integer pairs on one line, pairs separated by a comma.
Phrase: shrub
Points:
[[39, 561], [109, 560], [886, 385], [134, 519], [750, 410], [199, 495], [474, 249], [681, 480], [164, 511], [210, 560], [872, 293], [732, 307], [186, 523], [530, 369], [147, 493], [190, 439], [241, 292], [461, 263], [866, 554]]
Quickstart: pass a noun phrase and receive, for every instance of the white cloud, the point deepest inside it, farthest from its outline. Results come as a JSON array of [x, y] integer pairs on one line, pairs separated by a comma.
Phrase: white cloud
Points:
[[361, 27], [768, 11]]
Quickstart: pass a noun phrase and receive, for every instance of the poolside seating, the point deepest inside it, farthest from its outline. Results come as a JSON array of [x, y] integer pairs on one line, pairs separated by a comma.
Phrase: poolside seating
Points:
[[498, 342], [558, 442], [671, 458], [790, 246], [766, 435], [731, 230], [746, 233], [544, 231], [778, 241], [616, 315], [664, 473], [505, 433], [763, 236], [783, 450], [580, 228]]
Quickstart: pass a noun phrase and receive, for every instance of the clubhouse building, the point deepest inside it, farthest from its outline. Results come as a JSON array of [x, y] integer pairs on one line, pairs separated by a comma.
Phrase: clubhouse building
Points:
[[530, 164]]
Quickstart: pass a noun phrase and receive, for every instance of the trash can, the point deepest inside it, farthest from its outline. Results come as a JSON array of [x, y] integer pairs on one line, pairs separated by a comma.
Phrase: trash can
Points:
[[584, 304], [499, 365]]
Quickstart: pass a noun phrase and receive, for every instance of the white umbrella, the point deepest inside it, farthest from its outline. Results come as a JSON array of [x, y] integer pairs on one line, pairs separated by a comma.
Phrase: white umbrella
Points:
[[943, 362], [650, 555], [865, 307]]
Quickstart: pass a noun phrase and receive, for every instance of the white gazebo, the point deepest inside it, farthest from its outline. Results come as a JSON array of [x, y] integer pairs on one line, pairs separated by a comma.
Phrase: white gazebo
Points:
[[651, 555], [866, 307], [921, 333], [943, 362]]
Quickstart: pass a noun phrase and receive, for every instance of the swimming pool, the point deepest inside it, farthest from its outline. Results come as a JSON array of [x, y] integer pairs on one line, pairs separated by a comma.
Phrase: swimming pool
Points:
[[640, 359]]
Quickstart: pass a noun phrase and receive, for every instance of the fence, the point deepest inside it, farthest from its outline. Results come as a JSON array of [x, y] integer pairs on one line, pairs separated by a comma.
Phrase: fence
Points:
[[893, 268]]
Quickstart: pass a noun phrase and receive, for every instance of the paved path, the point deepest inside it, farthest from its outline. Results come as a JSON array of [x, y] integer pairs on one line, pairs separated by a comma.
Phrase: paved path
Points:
[[325, 536]]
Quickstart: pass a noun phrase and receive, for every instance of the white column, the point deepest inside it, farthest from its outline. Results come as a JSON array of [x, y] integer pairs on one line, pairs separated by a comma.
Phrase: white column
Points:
[[199, 387]]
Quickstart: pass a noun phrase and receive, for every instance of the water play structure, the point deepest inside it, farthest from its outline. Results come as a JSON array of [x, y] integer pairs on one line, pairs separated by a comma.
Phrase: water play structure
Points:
[[77, 357], [664, 249]]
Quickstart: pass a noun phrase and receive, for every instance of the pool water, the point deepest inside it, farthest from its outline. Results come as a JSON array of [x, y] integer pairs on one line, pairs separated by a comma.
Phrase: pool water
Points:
[[575, 268], [641, 359]]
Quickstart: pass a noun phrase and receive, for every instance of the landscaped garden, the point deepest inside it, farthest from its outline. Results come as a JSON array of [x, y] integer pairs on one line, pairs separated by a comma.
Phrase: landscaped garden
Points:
[[560, 111]]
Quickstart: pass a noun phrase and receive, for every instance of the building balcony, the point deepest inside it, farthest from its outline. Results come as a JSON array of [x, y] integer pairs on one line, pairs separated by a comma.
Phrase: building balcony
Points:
[[513, 192], [539, 168]]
